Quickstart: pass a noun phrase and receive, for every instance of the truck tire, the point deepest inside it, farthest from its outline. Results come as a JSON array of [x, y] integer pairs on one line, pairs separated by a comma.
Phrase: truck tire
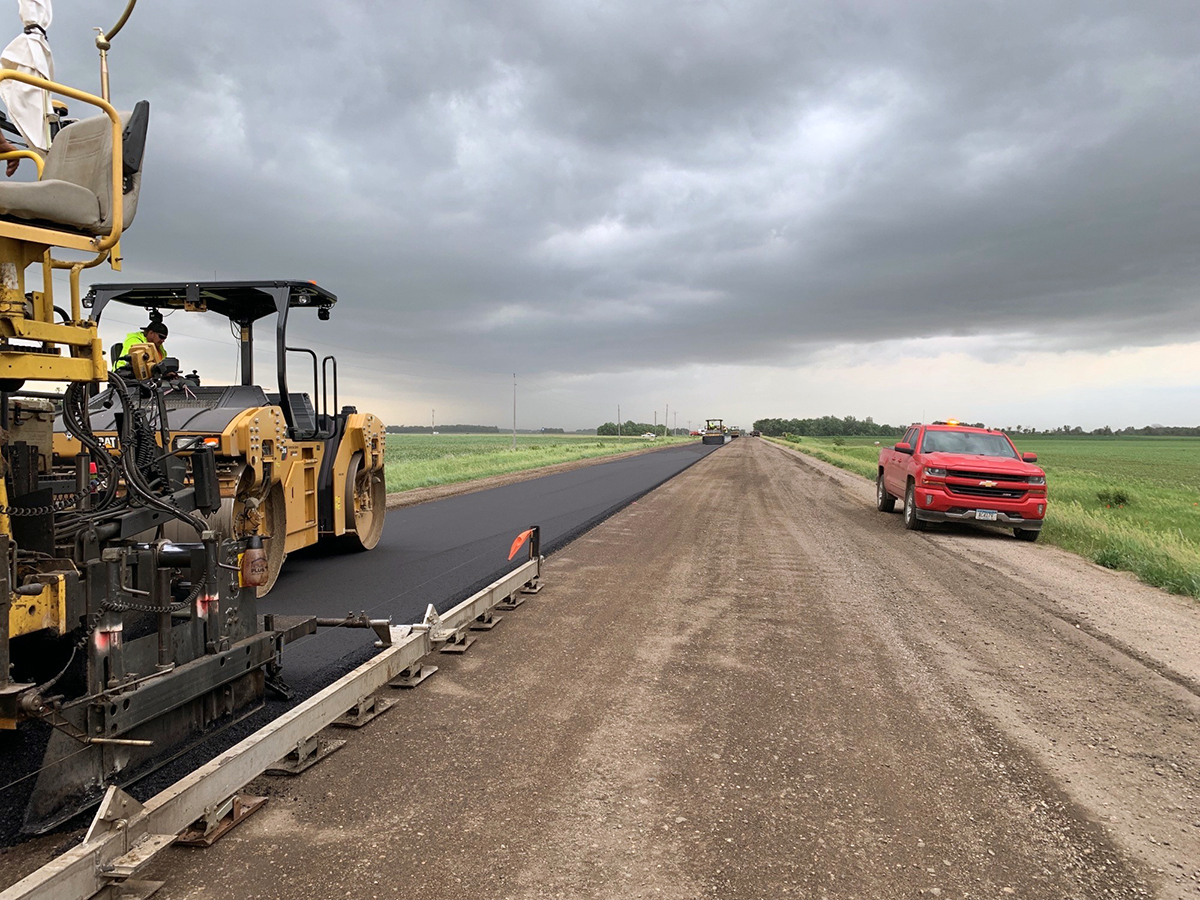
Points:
[[1026, 534], [911, 522], [884, 502]]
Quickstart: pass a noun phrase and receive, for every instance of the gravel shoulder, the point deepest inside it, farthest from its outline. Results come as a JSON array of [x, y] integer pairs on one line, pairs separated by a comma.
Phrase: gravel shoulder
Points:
[[751, 684], [1159, 629]]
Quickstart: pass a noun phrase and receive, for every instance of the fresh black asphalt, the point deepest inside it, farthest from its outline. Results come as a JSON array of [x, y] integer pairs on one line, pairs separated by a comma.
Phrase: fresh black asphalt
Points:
[[439, 553]]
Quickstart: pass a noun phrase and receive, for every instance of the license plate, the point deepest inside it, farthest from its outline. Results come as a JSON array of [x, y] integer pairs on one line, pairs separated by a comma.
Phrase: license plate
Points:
[[985, 515]]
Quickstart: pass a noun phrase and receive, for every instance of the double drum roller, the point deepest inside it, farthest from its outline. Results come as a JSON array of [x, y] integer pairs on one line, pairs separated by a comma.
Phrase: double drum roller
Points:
[[292, 471]]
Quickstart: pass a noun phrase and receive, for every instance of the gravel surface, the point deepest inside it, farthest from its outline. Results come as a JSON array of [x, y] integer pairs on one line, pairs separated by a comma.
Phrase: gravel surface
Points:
[[751, 684]]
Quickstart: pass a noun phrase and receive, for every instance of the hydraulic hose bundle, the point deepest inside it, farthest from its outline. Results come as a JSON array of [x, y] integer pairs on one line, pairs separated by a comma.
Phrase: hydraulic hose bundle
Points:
[[134, 435]]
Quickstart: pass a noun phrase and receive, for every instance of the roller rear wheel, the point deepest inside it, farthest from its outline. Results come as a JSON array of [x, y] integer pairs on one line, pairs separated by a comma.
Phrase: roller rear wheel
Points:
[[230, 521], [274, 534], [366, 504]]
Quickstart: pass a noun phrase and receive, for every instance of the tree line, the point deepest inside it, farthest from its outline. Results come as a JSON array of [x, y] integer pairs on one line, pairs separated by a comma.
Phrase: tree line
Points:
[[1106, 431], [634, 428], [826, 426], [832, 426]]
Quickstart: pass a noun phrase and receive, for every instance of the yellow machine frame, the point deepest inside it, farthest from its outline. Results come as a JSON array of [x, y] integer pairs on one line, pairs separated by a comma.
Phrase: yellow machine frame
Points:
[[275, 479], [38, 354]]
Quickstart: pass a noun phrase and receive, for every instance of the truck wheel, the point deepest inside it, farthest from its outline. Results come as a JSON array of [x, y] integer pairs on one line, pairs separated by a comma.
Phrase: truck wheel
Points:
[[884, 502], [1026, 534], [911, 522]]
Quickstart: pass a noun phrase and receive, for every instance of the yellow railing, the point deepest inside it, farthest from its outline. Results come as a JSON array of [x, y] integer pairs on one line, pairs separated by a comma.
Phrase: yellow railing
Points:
[[26, 154]]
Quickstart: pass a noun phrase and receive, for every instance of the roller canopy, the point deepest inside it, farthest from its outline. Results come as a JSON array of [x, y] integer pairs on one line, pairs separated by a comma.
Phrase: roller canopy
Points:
[[240, 301]]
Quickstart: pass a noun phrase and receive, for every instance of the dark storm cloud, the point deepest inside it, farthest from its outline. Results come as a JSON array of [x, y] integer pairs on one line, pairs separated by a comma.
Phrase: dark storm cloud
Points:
[[589, 185]]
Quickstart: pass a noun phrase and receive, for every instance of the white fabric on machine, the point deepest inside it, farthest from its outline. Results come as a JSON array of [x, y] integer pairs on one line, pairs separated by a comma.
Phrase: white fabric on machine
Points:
[[29, 52]]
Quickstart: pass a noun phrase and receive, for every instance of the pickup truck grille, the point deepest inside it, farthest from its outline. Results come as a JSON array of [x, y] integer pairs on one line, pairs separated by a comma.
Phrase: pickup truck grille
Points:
[[975, 490], [987, 476]]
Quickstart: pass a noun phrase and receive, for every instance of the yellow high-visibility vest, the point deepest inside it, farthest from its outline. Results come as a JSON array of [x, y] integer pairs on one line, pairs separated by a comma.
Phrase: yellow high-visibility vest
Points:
[[139, 337]]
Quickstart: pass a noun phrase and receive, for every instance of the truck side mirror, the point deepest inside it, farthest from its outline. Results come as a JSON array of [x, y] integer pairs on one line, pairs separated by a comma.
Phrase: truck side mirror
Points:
[[903, 447], [1029, 457]]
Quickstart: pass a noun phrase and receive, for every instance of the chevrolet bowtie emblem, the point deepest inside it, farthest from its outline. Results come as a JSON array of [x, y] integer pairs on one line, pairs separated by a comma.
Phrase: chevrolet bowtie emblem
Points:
[[987, 484]]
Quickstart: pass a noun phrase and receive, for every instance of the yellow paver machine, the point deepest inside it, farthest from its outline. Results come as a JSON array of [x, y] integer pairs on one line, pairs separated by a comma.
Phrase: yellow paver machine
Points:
[[134, 507], [291, 471]]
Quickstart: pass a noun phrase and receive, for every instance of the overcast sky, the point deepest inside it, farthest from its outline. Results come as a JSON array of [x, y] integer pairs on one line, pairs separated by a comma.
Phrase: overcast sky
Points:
[[739, 209]]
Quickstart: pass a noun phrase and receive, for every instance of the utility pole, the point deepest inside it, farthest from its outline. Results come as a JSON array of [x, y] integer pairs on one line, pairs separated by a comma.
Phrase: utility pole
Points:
[[675, 430], [514, 446], [432, 427], [666, 418], [618, 420]]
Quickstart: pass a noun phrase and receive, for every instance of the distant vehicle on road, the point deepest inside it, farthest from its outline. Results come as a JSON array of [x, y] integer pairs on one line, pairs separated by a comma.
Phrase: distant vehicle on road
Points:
[[946, 472], [649, 434], [756, 434], [693, 434], [714, 432]]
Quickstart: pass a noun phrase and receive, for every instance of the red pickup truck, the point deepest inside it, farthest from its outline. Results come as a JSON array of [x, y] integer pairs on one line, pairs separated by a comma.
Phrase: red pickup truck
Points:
[[948, 472]]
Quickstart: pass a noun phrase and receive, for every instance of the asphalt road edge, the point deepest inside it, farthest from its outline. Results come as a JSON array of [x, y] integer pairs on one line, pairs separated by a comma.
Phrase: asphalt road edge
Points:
[[415, 496]]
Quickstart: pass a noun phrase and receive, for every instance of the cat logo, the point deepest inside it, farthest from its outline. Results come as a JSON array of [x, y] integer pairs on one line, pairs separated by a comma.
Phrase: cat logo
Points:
[[987, 484]]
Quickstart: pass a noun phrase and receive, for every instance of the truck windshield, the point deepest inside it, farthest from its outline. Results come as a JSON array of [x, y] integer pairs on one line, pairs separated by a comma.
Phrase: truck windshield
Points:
[[968, 442]]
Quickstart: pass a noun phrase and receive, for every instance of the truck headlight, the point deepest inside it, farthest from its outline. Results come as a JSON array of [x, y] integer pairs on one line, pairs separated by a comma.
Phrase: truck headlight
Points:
[[933, 472], [1037, 479]]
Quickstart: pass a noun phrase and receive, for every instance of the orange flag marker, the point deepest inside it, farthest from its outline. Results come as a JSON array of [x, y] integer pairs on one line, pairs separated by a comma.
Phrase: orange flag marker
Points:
[[519, 542]]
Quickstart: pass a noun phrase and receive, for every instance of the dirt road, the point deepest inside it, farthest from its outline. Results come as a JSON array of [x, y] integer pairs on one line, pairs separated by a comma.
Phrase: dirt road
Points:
[[750, 684]]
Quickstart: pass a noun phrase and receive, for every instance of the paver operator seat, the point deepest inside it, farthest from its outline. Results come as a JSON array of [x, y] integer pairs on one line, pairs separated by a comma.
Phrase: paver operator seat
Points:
[[75, 187]]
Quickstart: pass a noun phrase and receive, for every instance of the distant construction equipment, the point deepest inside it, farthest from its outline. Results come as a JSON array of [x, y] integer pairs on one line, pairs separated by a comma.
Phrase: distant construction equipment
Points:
[[714, 432]]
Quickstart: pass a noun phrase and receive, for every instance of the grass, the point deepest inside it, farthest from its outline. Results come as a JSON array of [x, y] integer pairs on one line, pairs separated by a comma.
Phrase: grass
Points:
[[425, 460], [1129, 503]]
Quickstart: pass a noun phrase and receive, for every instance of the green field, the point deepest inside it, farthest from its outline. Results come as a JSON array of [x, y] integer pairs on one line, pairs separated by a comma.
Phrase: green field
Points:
[[1130, 503], [426, 460]]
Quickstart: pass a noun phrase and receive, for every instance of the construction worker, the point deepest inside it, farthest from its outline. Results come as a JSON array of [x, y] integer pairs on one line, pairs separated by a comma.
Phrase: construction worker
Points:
[[155, 334]]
